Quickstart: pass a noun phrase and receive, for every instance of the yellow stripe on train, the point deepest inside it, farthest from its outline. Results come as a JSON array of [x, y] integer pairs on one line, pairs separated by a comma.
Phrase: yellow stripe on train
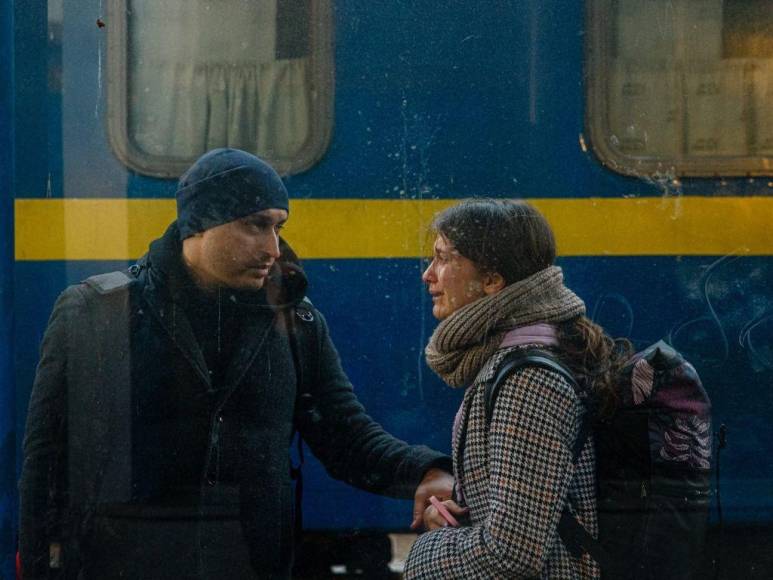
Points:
[[120, 229]]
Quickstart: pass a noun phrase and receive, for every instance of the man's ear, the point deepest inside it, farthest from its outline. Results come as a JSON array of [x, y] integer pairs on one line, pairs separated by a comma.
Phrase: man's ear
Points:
[[493, 283], [191, 245]]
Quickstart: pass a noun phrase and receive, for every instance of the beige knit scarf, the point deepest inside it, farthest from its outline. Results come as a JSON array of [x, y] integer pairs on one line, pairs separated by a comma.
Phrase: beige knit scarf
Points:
[[463, 342]]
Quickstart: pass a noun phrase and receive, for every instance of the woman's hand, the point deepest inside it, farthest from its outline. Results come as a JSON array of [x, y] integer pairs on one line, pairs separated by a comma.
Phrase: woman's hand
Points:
[[436, 482], [433, 519]]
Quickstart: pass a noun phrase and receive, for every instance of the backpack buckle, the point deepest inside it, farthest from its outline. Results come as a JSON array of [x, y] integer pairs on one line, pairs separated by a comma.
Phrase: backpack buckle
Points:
[[305, 315]]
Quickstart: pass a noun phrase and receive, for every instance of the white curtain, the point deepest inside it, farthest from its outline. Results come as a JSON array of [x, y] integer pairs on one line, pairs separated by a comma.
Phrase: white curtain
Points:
[[716, 124], [671, 91], [204, 74], [763, 101], [644, 110]]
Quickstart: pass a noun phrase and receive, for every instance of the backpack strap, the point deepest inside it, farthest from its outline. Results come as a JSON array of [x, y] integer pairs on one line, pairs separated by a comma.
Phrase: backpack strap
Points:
[[529, 358], [572, 532], [117, 286], [543, 359], [578, 541], [511, 362], [303, 344]]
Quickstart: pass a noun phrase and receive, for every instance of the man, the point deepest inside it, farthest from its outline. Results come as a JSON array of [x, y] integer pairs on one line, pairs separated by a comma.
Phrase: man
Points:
[[157, 442]]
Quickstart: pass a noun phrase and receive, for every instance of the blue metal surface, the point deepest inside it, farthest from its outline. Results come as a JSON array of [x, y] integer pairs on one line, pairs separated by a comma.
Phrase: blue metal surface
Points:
[[702, 303], [432, 100], [30, 71], [382, 357], [7, 390], [442, 101]]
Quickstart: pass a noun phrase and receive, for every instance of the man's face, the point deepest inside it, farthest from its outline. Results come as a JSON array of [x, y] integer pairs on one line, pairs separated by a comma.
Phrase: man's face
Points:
[[238, 254]]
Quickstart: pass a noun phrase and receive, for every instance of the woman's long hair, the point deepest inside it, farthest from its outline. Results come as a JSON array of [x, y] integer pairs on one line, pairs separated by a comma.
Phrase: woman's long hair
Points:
[[511, 238], [595, 359]]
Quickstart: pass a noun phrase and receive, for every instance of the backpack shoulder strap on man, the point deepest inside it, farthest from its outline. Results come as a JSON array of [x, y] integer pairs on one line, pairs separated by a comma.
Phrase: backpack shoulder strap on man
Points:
[[301, 329], [572, 532]]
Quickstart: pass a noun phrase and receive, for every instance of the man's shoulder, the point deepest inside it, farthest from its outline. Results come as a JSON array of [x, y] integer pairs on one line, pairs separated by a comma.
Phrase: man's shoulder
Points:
[[100, 297], [100, 288], [305, 305], [110, 282]]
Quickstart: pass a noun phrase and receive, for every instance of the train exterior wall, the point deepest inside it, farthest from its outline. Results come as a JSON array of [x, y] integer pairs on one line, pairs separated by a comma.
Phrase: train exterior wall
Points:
[[433, 102]]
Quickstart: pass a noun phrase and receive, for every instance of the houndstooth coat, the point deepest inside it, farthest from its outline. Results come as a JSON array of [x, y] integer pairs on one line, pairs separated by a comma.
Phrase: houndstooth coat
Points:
[[516, 476]]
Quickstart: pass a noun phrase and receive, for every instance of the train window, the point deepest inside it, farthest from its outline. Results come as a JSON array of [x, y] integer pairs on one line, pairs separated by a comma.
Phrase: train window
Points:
[[187, 76], [682, 87]]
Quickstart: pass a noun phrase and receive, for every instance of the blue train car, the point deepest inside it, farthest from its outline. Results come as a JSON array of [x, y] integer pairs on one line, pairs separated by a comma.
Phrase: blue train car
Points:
[[643, 130]]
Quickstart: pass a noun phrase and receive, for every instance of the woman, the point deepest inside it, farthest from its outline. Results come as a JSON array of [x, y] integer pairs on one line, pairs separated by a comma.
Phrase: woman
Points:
[[494, 288]]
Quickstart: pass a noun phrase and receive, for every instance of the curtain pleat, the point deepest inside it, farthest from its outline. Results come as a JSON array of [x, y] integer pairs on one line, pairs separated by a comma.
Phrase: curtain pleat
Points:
[[215, 86]]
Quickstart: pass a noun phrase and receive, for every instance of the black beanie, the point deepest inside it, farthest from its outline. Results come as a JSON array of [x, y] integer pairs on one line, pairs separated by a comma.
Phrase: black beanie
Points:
[[224, 185]]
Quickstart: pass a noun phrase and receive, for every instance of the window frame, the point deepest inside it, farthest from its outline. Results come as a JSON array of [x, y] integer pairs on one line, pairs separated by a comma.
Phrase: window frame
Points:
[[322, 90], [598, 126]]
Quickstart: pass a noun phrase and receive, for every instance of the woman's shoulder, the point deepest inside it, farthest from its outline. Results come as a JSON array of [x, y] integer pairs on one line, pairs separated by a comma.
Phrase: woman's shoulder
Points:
[[497, 360], [539, 380]]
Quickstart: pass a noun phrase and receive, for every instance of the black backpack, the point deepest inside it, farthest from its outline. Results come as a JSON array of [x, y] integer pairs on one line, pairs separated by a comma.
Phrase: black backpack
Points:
[[653, 465]]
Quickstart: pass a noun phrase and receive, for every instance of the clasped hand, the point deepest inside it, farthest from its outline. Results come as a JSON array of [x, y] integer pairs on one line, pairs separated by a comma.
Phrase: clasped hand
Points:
[[433, 519], [440, 484]]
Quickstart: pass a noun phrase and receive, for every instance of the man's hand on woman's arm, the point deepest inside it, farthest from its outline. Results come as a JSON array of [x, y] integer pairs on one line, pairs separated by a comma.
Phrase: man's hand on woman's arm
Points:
[[436, 482]]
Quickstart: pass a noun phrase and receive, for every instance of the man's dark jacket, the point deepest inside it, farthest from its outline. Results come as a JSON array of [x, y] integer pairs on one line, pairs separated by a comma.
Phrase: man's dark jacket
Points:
[[128, 422]]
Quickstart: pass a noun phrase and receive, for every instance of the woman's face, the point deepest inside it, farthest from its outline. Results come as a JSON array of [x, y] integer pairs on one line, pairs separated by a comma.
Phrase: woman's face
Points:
[[452, 280]]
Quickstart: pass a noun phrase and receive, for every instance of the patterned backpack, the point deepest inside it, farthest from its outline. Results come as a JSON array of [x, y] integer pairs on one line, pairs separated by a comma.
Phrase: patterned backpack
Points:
[[653, 465]]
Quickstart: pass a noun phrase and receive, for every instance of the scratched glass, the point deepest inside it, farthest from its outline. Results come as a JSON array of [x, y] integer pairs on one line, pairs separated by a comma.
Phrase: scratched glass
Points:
[[683, 87]]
